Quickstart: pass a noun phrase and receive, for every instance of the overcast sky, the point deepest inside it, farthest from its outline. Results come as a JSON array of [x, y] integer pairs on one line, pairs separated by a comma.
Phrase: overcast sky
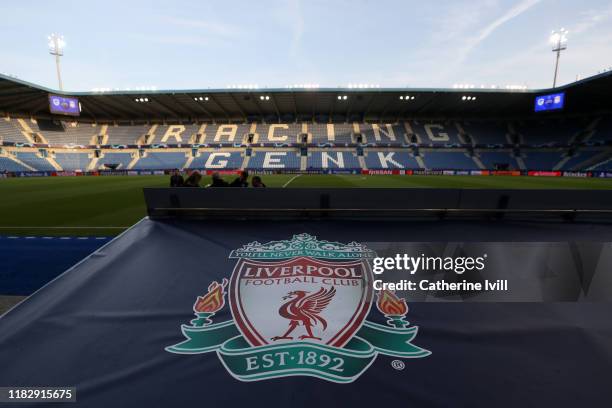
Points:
[[273, 43]]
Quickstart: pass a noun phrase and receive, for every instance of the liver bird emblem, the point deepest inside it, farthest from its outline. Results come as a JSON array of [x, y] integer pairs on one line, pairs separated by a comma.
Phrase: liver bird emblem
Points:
[[304, 308]]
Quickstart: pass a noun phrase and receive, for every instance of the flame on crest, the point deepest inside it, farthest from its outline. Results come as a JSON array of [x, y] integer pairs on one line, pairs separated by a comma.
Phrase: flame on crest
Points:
[[391, 305], [214, 300]]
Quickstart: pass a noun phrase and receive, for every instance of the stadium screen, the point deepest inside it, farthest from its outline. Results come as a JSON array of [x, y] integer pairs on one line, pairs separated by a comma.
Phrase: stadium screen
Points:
[[62, 105], [549, 102]]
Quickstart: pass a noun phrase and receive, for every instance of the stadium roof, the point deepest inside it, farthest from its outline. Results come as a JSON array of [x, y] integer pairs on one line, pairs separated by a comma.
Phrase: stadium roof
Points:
[[18, 97]]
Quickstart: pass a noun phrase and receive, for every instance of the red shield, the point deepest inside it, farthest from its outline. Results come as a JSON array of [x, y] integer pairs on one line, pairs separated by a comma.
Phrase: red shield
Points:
[[300, 299]]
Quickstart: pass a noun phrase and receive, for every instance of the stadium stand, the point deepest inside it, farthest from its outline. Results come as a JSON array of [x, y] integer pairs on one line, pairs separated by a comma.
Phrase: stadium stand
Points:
[[541, 160], [494, 159], [172, 134], [7, 164], [274, 160], [217, 159], [487, 133], [117, 160], [383, 133], [344, 133], [231, 133], [332, 159], [72, 161], [448, 159], [161, 161], [9, 132], [580, 159], [603, 131], [126, 134], [577, 144], [604, 165], [64, 133], [73, 133], [34, 160], [280, 133], [436, 133], [548, 132], [376, 159]]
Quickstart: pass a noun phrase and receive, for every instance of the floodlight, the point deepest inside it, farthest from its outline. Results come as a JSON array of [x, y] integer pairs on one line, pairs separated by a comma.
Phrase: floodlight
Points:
[[56, 48], [558, 39]]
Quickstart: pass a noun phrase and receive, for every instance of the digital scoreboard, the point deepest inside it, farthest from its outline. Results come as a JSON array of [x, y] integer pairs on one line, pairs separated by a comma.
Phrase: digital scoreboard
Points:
[[64, 105], [549, 102]]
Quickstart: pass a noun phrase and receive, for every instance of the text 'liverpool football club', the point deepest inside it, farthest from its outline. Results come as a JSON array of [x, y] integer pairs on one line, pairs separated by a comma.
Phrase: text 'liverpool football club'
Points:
[[302, 273]]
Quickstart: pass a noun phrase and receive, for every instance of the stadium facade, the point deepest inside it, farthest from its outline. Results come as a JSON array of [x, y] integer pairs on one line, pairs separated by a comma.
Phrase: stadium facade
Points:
[[401, 131]]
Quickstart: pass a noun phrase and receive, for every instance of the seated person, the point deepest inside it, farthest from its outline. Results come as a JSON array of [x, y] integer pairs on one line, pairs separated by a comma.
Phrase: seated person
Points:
[[217, 181], [256, 182], [176, 180], [242, 180], [193, 180]]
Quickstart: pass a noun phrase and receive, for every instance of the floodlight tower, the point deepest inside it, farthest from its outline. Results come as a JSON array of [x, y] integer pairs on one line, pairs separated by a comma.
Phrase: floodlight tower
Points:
[[558, 39], [56, 47]]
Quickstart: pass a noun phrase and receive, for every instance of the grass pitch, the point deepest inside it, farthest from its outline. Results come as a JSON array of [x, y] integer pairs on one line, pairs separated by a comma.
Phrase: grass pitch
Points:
[[103, 206]]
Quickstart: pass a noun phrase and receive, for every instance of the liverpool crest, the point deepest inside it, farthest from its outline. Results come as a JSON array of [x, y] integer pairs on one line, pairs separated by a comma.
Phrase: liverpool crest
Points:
[[299, 307]]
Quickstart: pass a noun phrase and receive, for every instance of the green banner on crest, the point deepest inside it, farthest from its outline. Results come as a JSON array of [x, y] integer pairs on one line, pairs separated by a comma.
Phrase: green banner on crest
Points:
[[338, 364]]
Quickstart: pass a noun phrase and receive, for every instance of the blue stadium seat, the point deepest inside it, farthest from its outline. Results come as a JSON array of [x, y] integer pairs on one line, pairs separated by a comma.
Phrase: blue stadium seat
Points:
[[121, 159], [381, 152], [437, 133], [161, 161], [603, 166], [544, 132], [281, 132], [392, 134], [576, 161], [487, 132], [125, 134], [7, 164], [541, 160], [217, 159], [66, 133], [490, 159], [603, 130], [72, 161], [379, 159], [9, 132], [455, 160], [276, 159], [32, 159], [332, 159], [343, 133]]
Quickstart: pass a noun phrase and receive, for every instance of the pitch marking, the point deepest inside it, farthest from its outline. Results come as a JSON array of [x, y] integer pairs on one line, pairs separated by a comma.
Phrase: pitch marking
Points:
[[290, 180]]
